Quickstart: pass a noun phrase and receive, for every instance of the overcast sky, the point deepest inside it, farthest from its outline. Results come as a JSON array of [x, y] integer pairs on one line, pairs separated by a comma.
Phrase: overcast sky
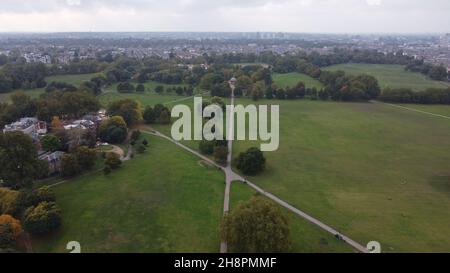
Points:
[[325, 16]]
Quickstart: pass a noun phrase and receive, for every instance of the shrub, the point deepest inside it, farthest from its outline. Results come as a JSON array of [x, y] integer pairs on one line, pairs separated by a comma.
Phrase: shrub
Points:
[[206, 147], [141, 149], [107, 170], [113, 161], [135, 135]]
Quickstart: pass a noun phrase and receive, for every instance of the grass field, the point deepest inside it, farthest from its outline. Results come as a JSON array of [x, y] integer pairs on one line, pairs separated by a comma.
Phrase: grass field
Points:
[[149, 86], [146, 98], [163, 201], [291, 79], [34, 93], [252, 64], [393, 76], [306, 238], [435, 109], [372, 171], [149, 97], [75, 79]]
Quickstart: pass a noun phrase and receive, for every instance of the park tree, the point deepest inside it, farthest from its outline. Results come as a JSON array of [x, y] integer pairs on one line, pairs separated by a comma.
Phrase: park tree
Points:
[[86, 157], [164, 118], [77, 104], [51, 143], [221, 154], [10, 230], [179, 90], [257, 91], [43, 218], [251, 162], [70, 166], [129, 109], [113, 130], [438, 73], [207, 81], [159, 89], [263, 74], [9, 201], [56, 124], [280, 94], [36, 196], [18, 160], [149, 115], [189, 91], [299, 90], [140, 88], [256, 226], [15, 225], [290, 93], [269, 93], [126, 87], [245, 84]]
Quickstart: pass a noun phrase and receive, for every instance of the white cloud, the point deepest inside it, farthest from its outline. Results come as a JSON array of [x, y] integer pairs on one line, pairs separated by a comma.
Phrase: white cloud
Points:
[[73, 2], [226, 15], [374, 2]]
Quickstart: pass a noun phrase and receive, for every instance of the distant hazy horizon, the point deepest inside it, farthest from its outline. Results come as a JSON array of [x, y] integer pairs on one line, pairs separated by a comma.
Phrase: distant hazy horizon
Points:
[[289, 16]]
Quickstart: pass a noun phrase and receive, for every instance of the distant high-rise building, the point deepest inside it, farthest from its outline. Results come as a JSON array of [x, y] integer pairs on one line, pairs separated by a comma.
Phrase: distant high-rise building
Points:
[[445, 40]]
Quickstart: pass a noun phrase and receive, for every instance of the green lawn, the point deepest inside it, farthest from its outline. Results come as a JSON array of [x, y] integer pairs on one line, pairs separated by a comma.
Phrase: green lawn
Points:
[[291, 79], [146, 98], [254, 64], [149, 97], [75, 79], [149, 86], [306, 238], [34, 93], [435, 109], [163, 201], [393, 76], [372, 171]]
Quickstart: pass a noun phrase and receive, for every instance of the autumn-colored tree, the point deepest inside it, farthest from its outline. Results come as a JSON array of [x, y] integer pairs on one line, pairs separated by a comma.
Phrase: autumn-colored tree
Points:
[[56, 124], [15, 225], [9, 200]]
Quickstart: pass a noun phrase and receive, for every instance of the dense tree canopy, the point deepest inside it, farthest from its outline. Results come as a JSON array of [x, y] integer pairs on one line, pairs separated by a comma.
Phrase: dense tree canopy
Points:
[[42, 218], [251, 162], [18, 158], [113, 130], [128, 109], [256, 226]]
